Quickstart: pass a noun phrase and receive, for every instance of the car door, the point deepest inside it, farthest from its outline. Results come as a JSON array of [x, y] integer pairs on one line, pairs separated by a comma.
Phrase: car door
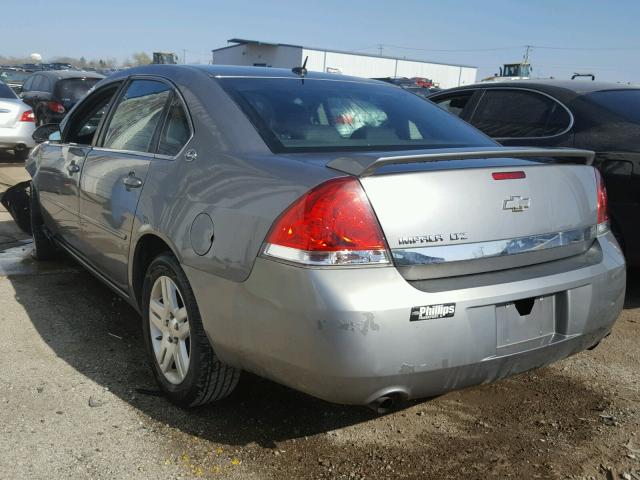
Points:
[[58, 178], [522, 117], [114, 173]]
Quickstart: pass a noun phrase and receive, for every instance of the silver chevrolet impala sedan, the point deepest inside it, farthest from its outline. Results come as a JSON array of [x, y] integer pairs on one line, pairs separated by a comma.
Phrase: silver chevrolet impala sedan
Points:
[[338, 235]]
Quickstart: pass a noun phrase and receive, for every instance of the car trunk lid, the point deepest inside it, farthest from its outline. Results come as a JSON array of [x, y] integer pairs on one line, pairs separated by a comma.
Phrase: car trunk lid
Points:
[[457, 222]]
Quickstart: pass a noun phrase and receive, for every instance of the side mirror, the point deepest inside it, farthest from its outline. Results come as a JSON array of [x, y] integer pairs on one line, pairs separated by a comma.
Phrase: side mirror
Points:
[[49, 132]]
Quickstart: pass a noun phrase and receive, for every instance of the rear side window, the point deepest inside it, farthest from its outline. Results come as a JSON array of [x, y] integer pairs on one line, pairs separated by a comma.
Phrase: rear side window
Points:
[[519, 114], [137, 115], [45, 85], [455, 104], [176, 131], [28, 83], [38, 83], [310, 115], [6, 92]]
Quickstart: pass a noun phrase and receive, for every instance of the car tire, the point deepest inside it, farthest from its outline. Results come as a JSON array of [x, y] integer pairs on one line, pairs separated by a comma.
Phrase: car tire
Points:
[[21, 154], [205, 378], [43, 247]]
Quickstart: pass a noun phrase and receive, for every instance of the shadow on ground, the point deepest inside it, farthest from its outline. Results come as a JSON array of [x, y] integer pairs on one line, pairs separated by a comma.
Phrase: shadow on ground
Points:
[[632, 298], [7, 156], [100, 336]]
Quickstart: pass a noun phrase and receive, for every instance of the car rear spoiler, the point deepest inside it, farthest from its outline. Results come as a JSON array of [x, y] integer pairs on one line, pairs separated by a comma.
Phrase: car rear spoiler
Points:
[[364, 165]]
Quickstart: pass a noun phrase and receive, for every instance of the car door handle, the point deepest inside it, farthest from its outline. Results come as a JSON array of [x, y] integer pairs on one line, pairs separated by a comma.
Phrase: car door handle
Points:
[[73, 167], [132, 181]]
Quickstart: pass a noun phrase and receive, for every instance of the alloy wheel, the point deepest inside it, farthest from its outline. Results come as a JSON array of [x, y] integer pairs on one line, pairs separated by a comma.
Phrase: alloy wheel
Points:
[[169, 329]]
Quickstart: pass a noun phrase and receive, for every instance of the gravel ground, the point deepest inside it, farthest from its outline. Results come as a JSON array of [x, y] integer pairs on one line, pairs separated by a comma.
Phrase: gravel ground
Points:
[[78, 401]]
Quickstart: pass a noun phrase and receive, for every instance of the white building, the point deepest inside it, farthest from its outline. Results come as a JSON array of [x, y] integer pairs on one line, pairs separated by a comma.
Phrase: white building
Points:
[[263, 54]]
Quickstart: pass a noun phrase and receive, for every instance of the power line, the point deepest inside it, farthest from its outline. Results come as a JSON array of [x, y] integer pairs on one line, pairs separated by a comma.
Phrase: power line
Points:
[[496, 49], [588, 49]]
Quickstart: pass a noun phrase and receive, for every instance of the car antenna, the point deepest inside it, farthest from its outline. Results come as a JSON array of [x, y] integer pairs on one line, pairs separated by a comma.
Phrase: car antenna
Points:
[[302, 71]]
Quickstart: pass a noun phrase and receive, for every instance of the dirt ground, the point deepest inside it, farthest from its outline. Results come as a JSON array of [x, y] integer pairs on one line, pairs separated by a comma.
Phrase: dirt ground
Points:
[[78, 401]]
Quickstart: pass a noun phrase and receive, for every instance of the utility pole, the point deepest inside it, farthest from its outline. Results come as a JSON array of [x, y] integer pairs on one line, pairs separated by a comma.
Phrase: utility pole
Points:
[[526, 54], [380, 47]]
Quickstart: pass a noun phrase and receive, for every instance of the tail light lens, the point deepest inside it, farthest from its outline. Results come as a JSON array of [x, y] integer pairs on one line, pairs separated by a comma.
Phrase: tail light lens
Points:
[[332, 224], [56, 107], [603, 214], [28, 116]]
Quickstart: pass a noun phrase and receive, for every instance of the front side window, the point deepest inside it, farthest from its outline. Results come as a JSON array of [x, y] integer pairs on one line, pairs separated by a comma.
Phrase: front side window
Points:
[[176, 132], [511, 113], [85, 122], [332, 115], [136, 116]]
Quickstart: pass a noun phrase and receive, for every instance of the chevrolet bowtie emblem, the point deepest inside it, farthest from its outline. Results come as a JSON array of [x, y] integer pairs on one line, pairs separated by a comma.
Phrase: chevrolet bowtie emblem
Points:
[[516, 204]]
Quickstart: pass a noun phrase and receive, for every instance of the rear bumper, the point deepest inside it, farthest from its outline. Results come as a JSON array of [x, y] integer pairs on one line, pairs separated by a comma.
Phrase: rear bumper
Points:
[[18, 135], [344, 335]]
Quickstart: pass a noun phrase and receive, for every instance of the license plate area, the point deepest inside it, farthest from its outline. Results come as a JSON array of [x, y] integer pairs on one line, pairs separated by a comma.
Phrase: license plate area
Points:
[[525, 319]]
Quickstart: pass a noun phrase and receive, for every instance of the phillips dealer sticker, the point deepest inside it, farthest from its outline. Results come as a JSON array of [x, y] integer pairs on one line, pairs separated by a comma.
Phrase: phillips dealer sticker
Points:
[[431, 312]]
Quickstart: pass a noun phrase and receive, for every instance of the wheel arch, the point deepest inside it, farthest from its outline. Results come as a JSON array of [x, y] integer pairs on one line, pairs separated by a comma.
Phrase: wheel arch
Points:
[[147, 247]]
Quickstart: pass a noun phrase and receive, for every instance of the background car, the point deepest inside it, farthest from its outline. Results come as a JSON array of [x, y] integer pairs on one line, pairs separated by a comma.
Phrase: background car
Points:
[[597, 116], [16, 123], [14, 77], [51, 94], [423, 87]]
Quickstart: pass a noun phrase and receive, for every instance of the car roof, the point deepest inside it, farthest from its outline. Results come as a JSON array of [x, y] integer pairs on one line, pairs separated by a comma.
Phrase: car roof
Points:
[[64, 74], [234, 71], [564, 90]]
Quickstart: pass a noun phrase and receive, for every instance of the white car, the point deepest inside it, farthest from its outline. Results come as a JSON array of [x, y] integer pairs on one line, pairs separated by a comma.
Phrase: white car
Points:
[[17, 123]]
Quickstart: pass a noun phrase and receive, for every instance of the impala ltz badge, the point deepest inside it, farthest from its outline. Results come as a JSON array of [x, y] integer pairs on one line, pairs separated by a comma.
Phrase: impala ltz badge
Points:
[[516, 203], [431, 312]]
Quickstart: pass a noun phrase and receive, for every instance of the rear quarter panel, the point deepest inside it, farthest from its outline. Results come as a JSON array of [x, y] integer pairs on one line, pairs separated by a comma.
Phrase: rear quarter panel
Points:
[[235, 180]]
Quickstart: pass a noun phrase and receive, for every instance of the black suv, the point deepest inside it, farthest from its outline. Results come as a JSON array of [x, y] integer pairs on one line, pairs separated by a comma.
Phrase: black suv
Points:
[[597, 116], [51, 94]]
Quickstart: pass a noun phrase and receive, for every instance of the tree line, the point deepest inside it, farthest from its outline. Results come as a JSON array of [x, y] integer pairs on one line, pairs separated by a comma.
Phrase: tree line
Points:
[[136, 59]]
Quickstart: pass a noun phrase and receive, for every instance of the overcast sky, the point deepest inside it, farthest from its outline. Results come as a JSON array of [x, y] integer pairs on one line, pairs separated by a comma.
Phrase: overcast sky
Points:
[[586, 36]]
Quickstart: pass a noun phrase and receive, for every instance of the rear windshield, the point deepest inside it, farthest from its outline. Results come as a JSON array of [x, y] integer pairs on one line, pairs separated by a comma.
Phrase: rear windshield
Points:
[[334, 115], [624, 103], [6, 92], [73, 89]]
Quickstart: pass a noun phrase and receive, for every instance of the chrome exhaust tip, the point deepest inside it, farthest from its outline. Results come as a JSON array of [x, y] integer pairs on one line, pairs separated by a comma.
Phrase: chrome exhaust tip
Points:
[[386, 403]]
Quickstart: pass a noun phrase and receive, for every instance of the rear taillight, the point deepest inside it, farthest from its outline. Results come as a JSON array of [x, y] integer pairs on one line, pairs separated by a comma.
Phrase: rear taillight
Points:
[[603, 214], [56, 107], [27, 116], [332, 224]]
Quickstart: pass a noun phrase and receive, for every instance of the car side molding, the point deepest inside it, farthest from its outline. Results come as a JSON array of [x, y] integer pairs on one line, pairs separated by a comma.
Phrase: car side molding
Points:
[[363, 165]]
